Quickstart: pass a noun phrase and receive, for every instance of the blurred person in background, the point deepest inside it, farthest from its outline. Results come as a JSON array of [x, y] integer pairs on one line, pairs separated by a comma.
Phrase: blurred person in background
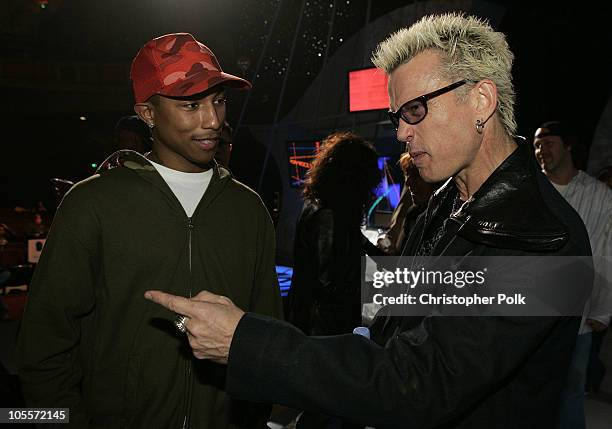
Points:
[[132, 133], [324, 298], [554, 144], [596, 369], [37, 227], [413, 202]]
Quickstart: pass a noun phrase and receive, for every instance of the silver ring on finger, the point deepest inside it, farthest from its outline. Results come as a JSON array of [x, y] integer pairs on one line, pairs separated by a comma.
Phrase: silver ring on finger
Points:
[[179, 322]]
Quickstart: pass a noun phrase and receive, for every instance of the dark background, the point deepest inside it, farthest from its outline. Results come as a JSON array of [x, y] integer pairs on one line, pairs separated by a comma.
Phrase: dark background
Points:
[[62, 60]]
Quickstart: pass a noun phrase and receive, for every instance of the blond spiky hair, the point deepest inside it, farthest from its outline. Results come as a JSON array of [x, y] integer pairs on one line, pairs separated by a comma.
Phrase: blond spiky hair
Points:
[[469, 49]]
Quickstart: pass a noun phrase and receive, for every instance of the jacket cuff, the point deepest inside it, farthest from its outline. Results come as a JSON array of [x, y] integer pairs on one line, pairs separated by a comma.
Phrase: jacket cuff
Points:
[[247, 374]]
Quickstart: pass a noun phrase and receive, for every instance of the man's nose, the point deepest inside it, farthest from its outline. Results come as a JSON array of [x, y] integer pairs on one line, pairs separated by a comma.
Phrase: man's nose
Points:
[[210, 118], [405, 132]]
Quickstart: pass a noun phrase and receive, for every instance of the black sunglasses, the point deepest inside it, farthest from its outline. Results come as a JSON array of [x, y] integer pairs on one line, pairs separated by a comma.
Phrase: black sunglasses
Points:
[[414, 111]]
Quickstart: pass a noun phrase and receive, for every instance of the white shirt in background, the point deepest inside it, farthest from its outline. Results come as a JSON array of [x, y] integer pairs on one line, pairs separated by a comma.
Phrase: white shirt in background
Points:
[[592, 200]]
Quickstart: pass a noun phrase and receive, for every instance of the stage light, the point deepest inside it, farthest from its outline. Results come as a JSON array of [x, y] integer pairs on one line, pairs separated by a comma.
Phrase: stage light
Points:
[[94, 165], [367, 90], [82, 118]]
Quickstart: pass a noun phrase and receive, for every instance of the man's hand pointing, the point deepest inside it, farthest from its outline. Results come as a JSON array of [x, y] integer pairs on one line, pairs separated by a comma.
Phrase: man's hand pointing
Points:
[[211, 321]]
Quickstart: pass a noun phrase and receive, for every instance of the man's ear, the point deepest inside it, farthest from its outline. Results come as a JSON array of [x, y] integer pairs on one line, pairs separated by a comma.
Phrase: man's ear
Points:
[[146, 112], [486, 98]]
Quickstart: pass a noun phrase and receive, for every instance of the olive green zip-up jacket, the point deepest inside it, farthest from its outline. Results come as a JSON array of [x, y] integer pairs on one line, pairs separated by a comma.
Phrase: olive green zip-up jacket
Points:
[[91, 342]]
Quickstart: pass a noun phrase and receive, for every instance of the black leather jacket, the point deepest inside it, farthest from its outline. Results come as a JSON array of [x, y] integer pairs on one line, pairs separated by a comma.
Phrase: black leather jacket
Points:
[[516, 212], [515, 209]]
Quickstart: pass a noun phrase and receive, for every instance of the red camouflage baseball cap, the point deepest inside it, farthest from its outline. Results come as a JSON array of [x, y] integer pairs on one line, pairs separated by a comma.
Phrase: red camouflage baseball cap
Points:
[[177, 65]]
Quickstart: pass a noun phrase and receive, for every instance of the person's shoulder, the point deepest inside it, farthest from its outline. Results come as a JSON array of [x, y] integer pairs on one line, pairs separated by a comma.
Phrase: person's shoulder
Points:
[[553, 208], [78, 204], [548, 203], [243, 198], [321, 212], [584, 179], [98, 187], [236, 189], [105, 180], [241, 190], [518, 208], [598, 188], [314, 208], [315, 213], [82, 191]]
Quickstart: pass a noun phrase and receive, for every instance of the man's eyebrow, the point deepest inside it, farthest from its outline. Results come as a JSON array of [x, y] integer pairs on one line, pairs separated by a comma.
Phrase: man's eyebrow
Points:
[[544, 134]]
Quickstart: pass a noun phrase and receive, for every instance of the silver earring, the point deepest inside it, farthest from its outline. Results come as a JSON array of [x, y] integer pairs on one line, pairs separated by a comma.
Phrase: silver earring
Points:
[[479, 126], [150, 124]]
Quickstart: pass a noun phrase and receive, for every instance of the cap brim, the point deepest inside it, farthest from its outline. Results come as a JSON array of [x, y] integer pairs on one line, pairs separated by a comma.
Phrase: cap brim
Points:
[[198, 84]]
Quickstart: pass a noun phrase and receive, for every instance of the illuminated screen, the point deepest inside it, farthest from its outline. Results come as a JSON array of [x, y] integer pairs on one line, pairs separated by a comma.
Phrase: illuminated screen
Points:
[[301, 154], [284, 274], [367, 90], [388, 191]]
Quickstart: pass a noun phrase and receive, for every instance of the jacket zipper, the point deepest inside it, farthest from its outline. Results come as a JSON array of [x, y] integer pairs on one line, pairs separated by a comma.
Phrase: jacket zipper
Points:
[[188, 378]]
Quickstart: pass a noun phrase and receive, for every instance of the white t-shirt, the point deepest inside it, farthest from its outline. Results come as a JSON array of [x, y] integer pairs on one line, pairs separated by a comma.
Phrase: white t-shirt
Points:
[[592, 200], [188, 187]]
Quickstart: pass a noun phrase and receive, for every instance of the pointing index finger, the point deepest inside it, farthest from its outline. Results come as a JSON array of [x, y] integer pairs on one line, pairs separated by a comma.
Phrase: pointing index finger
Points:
[[175, 303]]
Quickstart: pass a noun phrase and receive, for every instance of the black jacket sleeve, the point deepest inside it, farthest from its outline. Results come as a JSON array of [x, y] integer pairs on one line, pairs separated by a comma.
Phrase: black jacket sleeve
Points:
[[420, 379]]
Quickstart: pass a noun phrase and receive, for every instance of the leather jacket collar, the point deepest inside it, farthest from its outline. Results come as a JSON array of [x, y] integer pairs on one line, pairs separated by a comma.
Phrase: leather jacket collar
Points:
[[508, 210]]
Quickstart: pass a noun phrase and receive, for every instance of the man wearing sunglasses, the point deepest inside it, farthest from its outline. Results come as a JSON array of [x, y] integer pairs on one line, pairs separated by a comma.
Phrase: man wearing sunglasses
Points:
[[452, 100]]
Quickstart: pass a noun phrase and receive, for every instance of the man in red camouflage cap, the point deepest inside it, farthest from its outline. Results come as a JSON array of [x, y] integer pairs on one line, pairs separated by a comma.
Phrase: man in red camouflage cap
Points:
[[172, 219]]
